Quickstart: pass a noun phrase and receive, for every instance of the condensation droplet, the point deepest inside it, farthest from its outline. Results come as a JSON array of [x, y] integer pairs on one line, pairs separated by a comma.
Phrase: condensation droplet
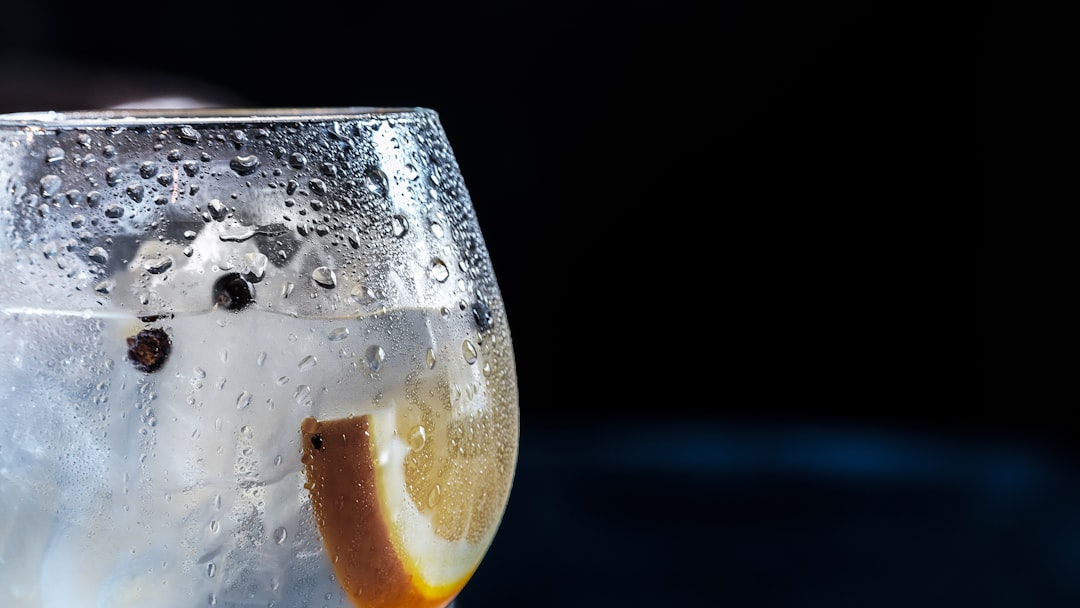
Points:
[[188, 135], [430, 358], [135, 192], [256, 264], [338, 333], [362, 294], [324, 277], [307, 363], [236, 234], [417, 437], [217, 209], [211, 569], [214, 526], [50, 185], [468, 351], [54, 155], [399, 225], [375, 181], [434, 496], [439, 271], [99, 255], [244, 165], [374, 357], [159, 265], [280, 535], [243, 400], [437, 230], [302, 395]]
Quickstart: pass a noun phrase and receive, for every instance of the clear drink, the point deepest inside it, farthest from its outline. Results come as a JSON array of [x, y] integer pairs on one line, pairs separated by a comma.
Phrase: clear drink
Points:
[[250, 360]]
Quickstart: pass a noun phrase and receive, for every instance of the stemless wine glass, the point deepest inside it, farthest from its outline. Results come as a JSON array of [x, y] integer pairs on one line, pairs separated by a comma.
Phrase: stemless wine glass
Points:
[[249, 358]]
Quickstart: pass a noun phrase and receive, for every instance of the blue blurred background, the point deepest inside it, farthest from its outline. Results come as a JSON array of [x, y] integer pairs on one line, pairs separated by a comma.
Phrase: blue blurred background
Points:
[[754, 370]]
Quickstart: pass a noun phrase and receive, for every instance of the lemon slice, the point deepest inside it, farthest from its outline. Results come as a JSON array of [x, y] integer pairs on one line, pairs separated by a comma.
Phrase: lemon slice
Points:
[[407, 499]]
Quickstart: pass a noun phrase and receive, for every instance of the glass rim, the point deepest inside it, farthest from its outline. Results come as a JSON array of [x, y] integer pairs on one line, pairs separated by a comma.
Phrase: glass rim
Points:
[[128, 117]]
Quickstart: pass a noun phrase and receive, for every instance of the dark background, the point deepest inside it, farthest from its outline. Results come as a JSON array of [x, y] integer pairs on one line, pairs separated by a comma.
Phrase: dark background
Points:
[[753, 369]]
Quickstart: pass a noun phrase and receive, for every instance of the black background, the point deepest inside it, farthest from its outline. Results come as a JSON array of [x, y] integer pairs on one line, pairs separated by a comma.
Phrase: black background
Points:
[[755, 368]]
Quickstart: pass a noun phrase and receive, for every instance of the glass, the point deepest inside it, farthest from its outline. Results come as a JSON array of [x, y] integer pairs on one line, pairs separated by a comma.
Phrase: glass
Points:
[[250, 358]]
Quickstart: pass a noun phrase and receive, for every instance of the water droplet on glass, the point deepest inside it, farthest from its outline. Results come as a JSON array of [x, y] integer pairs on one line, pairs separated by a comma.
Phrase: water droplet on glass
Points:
[[159, 265], [375, 181], [214, 526], [302, 395], [297, 160], [338, 333], [256, 265], [188, 135], [374, 357], [217, 209], [243, 400], [211, 569], [318, 186], [260, 358], [439, 271], [287, 289], [417, 437], [469, 352], [104, 286], [399, 225], [482, 314], [113, 175], [280, 535], [238, 138], [244, 165], [50, 185], [362, 294], [307, 363], [135, 192], [434, 496], [114, 211], [99, 255], [236, 233], [324, 277], [430, 358], [54, 155], [437, 230]]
